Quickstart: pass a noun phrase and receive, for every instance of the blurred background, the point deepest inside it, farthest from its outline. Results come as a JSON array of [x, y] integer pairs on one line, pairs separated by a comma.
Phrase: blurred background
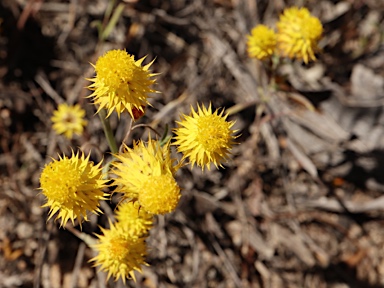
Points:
[[299, 204]]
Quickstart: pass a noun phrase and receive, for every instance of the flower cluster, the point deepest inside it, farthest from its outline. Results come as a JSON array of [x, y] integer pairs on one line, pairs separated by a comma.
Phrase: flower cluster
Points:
[[122, 248], [144, 174], [297, 37]]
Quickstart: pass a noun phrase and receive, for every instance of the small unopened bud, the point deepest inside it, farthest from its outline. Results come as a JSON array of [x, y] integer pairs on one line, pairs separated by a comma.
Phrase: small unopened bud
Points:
[[138, 113]]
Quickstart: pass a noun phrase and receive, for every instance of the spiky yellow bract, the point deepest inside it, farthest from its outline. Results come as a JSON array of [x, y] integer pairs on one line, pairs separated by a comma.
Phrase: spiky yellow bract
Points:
[[205, 137], [69, 120], [140, 165], [138, 221], [298, 34], [73, 186], [121, 83], [261, 43], [119, 253]]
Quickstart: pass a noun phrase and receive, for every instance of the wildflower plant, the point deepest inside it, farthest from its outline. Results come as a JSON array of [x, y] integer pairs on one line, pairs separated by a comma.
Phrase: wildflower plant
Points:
[[294, 41], [143, 175], [297, 37]]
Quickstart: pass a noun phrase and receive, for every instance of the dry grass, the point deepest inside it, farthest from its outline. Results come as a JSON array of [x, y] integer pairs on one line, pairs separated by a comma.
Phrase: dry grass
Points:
[[299, 205]]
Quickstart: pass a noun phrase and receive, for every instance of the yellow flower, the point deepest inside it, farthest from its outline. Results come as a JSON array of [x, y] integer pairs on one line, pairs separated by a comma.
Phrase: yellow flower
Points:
[[261, 43], [138, 221], [298, 34], [68, 120], [121, 83], [139, 162], [140, 172], [160, 194], [205, 137], [119, 253], [73, 186]]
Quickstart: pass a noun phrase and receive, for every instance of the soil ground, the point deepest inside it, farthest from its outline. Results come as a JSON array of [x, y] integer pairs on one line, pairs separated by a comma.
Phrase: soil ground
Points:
[[299, 204]]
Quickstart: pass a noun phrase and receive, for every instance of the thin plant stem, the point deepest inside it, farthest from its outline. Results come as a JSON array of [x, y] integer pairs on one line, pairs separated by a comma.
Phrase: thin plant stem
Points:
[[112, 21], [126, 136], [108, 131], [146, 126], [86, 238]]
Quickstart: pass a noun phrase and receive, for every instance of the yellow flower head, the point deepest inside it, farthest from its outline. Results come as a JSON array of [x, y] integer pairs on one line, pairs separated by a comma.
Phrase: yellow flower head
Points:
[[298, 34], [205, 137], [137, 221], [121, 83], [140, 172], [261, 43], [73, 186], [68, 120], [118, 253], [160, 194]]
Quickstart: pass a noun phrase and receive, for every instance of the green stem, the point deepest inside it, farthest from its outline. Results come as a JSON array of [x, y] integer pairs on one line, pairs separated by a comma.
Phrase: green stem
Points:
[[108, 131], [86, 238]]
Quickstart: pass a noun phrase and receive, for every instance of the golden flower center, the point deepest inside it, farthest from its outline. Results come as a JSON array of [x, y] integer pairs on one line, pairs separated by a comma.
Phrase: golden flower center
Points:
[[160, 194], [137, 220], [302, 30], [69, 118], [62, 181], [213, 132], [302, 24], [119, 248], [115, 69], [313, 28]]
